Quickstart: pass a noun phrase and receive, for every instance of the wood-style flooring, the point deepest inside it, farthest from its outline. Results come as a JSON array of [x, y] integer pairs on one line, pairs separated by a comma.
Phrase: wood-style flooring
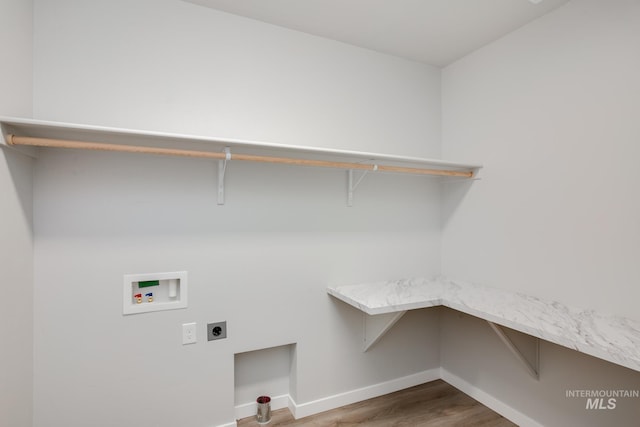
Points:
[[434, 404]]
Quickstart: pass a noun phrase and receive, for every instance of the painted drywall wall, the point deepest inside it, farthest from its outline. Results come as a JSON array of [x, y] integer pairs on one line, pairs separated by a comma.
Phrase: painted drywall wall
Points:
[[175, 66], [551, 111], [16, 305], [267, 255], [16, 247], [16, 28], [98, 216]]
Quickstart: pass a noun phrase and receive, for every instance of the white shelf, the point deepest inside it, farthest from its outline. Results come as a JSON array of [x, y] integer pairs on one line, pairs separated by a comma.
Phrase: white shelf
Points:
[[25, 134], [120, 136]]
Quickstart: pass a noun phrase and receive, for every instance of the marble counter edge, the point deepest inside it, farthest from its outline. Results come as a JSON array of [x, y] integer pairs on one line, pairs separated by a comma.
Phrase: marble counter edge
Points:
[[598, 352], [452, 295], [335, 292]]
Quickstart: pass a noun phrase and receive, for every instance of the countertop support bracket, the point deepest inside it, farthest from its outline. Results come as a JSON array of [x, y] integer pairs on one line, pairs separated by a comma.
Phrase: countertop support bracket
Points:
[[375, 326], [532, 368], [222, 169]]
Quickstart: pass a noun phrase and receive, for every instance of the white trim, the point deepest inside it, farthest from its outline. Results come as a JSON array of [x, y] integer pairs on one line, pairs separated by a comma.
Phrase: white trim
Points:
[[341, 399], [245, 410], [488, 400], [292, 406], [337, 400]]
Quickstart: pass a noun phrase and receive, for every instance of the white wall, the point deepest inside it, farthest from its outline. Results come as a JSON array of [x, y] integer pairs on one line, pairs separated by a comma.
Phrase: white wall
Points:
[[175, 66], [525, 106], [262, 261], [552, 112], [16, 28], [16, 247], [98, 216]]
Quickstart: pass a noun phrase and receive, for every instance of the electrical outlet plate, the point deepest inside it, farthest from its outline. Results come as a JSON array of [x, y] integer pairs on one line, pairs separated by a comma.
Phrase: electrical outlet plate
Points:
[[189, 333], [216, 331]]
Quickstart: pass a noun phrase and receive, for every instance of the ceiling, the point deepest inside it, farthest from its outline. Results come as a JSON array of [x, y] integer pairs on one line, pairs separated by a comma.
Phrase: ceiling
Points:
[[435, 32]]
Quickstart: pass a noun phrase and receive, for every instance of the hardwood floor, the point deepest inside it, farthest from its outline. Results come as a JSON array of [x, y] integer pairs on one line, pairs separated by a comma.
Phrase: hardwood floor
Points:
[[434, 404]]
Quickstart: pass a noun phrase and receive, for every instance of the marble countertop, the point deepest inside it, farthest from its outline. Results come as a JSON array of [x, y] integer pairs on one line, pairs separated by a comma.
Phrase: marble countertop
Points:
[[615, 339]]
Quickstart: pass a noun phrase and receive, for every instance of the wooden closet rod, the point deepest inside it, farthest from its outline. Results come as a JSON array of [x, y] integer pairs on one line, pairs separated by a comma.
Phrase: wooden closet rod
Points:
[[61, 143]]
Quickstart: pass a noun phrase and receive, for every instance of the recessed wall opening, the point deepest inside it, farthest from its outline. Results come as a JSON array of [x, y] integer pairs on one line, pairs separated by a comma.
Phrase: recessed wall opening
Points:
[[264, 372]]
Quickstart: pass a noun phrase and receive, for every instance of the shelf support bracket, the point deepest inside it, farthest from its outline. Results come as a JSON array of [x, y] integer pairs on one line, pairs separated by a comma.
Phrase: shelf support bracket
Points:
[[353, 182], [222, 169], [375, 326], [533, 368]]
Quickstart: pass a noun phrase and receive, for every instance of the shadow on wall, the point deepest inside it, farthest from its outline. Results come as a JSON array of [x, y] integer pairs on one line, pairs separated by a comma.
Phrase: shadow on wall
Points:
[[453, 195], [20, 172]]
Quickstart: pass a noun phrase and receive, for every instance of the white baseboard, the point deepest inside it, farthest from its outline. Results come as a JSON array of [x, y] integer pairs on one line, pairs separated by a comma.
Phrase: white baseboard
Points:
[[337, 400], [488, 400], [249, 409]]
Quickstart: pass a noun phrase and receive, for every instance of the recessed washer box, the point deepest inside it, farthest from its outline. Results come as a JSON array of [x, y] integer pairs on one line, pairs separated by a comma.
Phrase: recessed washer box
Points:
[[143, 293]]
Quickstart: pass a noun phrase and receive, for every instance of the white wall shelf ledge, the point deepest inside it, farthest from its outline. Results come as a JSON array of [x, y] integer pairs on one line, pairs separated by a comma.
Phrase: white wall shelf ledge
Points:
[[27, 133], [611, 338]]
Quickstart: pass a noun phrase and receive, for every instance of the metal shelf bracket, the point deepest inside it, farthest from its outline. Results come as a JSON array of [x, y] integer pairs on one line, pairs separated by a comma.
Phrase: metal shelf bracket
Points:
[[353, 182], [222, 169], [531, 364], [375, 326]]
